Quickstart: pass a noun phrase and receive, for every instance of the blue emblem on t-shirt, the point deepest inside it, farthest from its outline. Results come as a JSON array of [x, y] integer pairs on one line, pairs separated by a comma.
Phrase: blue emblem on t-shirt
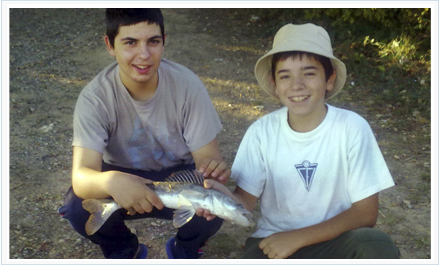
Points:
[[307, 171]]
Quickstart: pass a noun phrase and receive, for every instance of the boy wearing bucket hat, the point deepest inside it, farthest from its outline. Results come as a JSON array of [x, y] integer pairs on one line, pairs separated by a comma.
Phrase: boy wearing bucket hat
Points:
[[316, 169]]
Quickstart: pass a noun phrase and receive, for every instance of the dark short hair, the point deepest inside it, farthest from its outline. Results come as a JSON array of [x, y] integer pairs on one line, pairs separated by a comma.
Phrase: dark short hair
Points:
[[117, 17], [325, 61]]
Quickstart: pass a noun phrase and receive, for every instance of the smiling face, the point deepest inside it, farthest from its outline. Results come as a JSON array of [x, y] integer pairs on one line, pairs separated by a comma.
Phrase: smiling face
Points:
[[138, 50], [301, 86]]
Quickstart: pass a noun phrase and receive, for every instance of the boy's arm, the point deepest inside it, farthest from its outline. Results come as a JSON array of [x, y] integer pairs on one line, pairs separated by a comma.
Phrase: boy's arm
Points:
[[129, 191], [244, 198], [361, 214], [209, 161]]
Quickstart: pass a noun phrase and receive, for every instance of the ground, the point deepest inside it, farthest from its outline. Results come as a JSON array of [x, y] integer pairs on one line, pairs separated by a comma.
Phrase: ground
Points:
[[54, 53]]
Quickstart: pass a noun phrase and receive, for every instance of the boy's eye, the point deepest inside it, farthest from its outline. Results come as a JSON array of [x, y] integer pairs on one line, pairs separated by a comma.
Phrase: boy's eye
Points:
[[130, 43], [155, 41], [309, 74]]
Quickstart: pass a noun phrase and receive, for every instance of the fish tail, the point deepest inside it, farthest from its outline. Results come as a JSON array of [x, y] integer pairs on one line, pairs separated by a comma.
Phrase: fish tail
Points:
[[99, 213]]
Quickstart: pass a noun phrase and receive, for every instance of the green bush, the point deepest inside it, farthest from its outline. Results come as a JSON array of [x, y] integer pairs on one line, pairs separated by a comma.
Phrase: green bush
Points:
[[386, 50]]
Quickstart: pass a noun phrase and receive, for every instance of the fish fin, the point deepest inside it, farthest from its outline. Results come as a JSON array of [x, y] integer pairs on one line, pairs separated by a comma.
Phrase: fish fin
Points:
[[183, 202], [181, 217], [99, 210], [186, 176]]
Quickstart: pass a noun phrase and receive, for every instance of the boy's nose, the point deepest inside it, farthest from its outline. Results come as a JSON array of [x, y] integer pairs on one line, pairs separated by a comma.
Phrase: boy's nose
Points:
[[298, 83], [144, 51]]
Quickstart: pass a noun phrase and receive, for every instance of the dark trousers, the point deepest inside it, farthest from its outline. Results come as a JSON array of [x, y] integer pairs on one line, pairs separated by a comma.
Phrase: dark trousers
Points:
[[362, 243], [117, 241]]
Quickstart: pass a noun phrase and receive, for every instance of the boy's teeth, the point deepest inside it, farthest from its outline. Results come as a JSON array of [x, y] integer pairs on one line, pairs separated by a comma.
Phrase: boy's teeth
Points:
[[298, 98], [142, 67]]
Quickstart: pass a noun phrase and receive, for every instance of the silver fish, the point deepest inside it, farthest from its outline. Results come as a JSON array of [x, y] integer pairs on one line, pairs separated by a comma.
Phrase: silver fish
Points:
[[182, 191]]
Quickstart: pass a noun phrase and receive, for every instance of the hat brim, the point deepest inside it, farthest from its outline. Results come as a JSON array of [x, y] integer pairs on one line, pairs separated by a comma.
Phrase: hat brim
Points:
[[263, 68]]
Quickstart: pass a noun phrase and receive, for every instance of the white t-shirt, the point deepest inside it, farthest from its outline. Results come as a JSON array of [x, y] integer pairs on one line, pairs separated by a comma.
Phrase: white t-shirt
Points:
[[303, 179], [152, 135]]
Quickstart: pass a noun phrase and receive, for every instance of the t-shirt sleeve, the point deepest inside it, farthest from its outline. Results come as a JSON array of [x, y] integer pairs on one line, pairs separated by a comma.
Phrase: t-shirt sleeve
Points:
[[248, 169], [200, 119], [90, 129], [368, 171]]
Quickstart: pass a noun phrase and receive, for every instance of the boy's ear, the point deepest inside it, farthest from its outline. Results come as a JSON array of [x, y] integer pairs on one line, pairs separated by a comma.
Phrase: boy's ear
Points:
[[272, 81], [109, 46], [331, 82], [163, 42]]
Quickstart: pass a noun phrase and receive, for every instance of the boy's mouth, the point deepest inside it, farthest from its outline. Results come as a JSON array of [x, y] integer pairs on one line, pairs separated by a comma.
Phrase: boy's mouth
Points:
[[142, 68], [298, 98]]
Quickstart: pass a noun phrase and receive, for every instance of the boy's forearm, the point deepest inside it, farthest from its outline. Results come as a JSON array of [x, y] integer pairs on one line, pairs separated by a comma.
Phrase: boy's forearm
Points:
[[362, 214], [209, 161], [88, 183], [244, 198], [87, 179]]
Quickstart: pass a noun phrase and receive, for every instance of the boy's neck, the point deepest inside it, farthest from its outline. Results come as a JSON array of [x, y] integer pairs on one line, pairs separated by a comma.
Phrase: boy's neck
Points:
[[304, 124], [143, 91]]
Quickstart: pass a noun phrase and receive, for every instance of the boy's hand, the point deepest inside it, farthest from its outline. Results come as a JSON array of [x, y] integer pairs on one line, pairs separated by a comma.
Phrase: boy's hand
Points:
[[132, 194], [280, 245], [213, 169], [212, 184]]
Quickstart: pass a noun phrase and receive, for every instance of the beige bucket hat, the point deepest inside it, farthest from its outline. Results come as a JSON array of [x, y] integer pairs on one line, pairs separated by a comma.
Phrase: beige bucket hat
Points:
[[308, 38]]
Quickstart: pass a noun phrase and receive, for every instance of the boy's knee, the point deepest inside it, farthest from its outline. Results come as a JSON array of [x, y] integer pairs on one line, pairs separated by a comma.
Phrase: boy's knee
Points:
[[252, 249], [369, 243]]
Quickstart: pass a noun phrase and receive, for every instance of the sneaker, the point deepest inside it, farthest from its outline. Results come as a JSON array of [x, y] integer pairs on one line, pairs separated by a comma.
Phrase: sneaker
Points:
[[142, 252], [174, 253]]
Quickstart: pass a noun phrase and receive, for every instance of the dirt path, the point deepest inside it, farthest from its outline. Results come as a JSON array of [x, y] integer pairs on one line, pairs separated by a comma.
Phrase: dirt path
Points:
[[56, 52]]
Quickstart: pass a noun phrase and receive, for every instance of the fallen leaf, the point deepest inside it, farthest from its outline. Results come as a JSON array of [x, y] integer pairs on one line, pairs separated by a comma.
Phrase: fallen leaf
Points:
[[408, 203]]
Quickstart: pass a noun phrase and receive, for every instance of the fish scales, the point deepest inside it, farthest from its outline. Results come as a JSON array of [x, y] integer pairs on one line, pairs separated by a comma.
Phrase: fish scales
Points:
[[182, 191]]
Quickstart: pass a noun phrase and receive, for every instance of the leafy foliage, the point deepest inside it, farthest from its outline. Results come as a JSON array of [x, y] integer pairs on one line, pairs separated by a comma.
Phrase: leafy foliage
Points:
[[385, 49], [397, 20]]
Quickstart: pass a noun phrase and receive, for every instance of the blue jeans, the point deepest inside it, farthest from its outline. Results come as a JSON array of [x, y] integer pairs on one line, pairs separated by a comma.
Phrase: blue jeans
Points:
[[117, 241]]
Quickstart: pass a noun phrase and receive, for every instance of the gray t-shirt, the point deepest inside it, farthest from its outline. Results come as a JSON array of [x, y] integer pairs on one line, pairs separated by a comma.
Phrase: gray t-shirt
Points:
[[152, 135]]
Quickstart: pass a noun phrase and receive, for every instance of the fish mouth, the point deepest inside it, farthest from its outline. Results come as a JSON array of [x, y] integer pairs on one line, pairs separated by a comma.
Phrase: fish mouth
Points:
[[248, 216], [245, 220], [245, 212]]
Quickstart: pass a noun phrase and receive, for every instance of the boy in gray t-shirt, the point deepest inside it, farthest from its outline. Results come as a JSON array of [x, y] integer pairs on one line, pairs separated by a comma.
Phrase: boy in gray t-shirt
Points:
[[142, 117]]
